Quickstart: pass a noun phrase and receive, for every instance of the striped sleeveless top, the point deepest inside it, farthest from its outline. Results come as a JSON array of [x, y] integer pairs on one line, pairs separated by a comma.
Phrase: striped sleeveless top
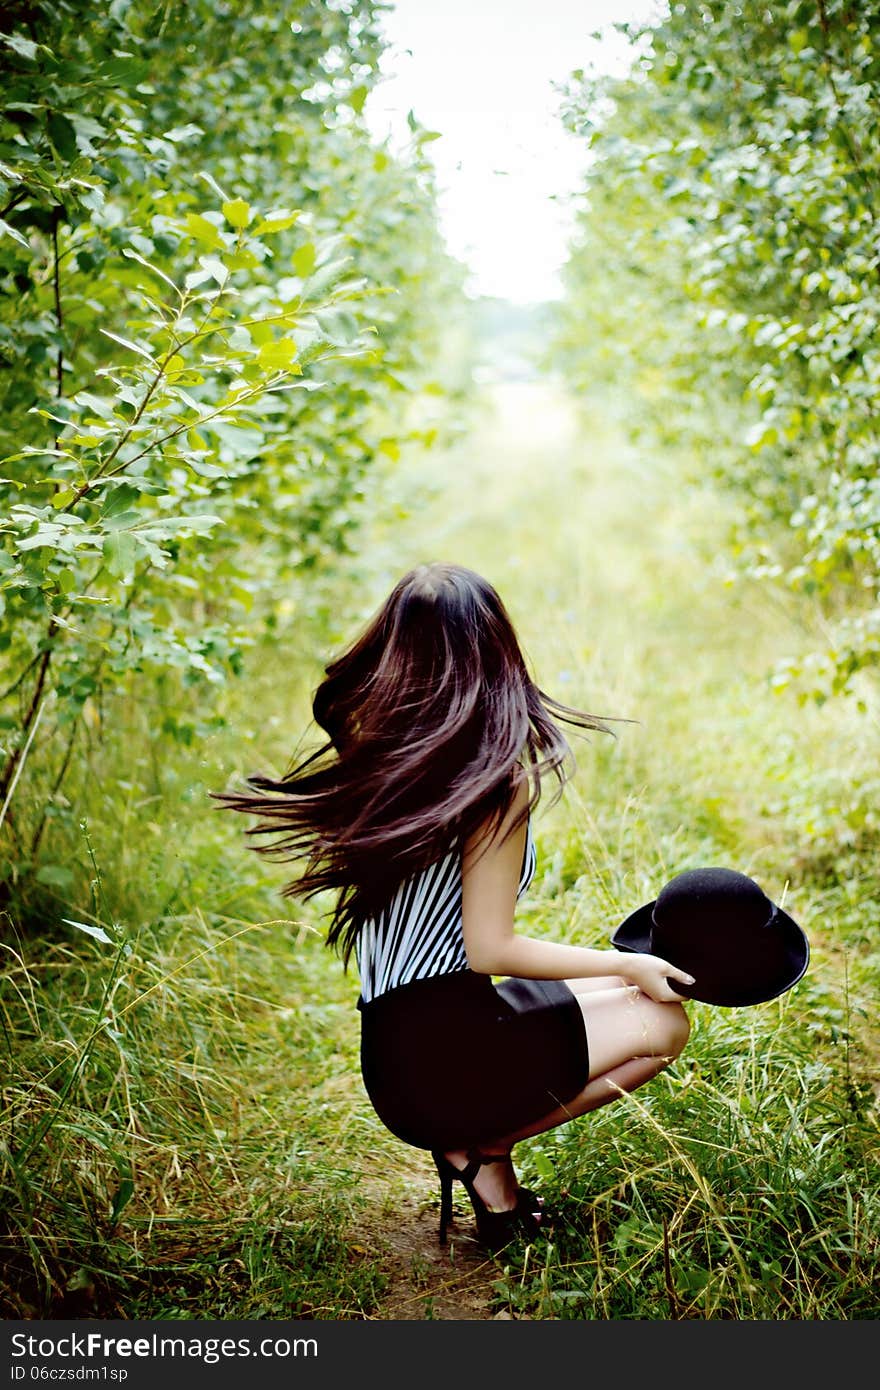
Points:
[[419, 932]]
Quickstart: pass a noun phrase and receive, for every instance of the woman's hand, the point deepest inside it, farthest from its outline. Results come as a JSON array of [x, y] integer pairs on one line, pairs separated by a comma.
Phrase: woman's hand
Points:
[[651, 974]]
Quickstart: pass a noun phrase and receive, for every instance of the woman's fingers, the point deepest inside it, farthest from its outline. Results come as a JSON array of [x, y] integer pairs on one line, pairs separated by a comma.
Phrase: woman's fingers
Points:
[[656, 978], [675, 974]]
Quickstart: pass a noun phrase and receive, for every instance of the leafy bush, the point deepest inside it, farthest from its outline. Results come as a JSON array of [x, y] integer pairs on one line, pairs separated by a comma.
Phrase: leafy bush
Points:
[[222, 305], [724, 281]]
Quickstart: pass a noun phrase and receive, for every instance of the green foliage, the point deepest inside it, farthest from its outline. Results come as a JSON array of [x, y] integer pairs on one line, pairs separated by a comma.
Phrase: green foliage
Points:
[[147, 1081], [724, 281], [738, 1186], [214, 1152], [221, 307]]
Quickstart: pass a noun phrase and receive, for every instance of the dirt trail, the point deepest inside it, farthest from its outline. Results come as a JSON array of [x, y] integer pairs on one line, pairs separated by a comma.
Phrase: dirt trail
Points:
[[427, 1281]]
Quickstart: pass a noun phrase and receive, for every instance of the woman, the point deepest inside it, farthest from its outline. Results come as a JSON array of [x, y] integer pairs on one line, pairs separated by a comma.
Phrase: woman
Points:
[[416, 812]]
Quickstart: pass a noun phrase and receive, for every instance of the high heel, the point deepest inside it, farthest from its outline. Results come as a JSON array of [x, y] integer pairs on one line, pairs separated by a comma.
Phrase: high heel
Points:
[[494, 1228]]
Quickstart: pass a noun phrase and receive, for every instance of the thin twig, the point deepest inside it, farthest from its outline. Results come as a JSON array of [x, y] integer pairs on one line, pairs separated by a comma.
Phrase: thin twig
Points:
[[14, 201], [62, 772], [27, 726], [56, 285], [19, 678], [21, 761]]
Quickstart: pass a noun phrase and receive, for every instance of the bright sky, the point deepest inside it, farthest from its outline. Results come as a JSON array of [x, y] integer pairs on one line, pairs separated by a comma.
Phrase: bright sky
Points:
[[482, 73]]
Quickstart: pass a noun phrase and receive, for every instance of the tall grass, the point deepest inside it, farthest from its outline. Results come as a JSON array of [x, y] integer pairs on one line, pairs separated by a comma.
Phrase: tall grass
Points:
[[745, 1181], [182, 1119], [167, 1145], [183, 1125]]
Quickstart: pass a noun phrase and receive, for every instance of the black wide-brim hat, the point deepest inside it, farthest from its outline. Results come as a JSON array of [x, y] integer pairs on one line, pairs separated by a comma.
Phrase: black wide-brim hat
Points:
[[720, 927]]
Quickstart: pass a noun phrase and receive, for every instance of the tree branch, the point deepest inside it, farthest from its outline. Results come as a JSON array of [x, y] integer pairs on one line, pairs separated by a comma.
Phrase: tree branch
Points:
[[56, 285], [27, 725], [62, 772]]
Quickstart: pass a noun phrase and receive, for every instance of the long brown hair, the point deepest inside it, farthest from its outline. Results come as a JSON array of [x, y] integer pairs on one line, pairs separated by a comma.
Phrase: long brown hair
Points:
[[429, 714]]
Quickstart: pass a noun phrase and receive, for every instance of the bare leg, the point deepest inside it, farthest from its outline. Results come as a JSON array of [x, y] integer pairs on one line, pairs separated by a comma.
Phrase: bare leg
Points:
[[627, 1077], [630, 1039], [496, 1182]]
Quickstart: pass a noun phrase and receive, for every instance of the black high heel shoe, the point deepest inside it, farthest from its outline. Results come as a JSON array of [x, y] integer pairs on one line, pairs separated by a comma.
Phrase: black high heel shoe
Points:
[[494, 1228]]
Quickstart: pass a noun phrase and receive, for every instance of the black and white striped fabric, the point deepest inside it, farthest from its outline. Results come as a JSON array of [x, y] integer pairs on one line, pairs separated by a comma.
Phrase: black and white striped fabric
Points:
[[419, 933]]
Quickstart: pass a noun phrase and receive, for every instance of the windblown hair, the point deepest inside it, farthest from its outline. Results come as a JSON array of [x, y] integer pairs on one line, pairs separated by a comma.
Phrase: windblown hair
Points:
[[431, 719]]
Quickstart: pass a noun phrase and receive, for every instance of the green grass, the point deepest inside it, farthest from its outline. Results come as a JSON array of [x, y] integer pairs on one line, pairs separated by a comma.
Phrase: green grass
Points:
[[741, 1184], [177, 1162], [184, 1128]]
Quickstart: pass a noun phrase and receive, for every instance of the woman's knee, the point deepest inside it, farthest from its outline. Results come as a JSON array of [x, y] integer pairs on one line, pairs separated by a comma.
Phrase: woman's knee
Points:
[[676, 1026], [625, 1024], [667, 1028]]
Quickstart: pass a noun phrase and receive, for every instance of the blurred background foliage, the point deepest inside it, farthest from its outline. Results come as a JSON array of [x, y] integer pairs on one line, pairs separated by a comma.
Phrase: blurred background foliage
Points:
[[723, 286], [223, 308]]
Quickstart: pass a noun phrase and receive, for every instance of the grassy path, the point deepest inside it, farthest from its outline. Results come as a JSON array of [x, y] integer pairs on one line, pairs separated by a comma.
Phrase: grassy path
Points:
[[222, 1123], [609, 564], [614, 572]]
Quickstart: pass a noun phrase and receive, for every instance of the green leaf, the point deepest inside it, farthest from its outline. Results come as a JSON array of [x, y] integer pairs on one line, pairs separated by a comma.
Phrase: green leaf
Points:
[[237, 212], [280, 353], [204, 469], [212, 183], [215, 268], [98, 405], [181, 133], [55, 876], [97, 932], [175, 366], [120, 521], [168, 528], [202, 230], [136, 256], [6, 230], [62, 135], [276, 221], [127, 343], [25, 48], [119, 500], [303, 260], [124, 1194], [196, 278], [119, 552]]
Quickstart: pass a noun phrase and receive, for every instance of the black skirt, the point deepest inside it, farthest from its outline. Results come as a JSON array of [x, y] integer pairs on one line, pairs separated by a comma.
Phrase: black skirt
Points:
[[454, 1060]]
